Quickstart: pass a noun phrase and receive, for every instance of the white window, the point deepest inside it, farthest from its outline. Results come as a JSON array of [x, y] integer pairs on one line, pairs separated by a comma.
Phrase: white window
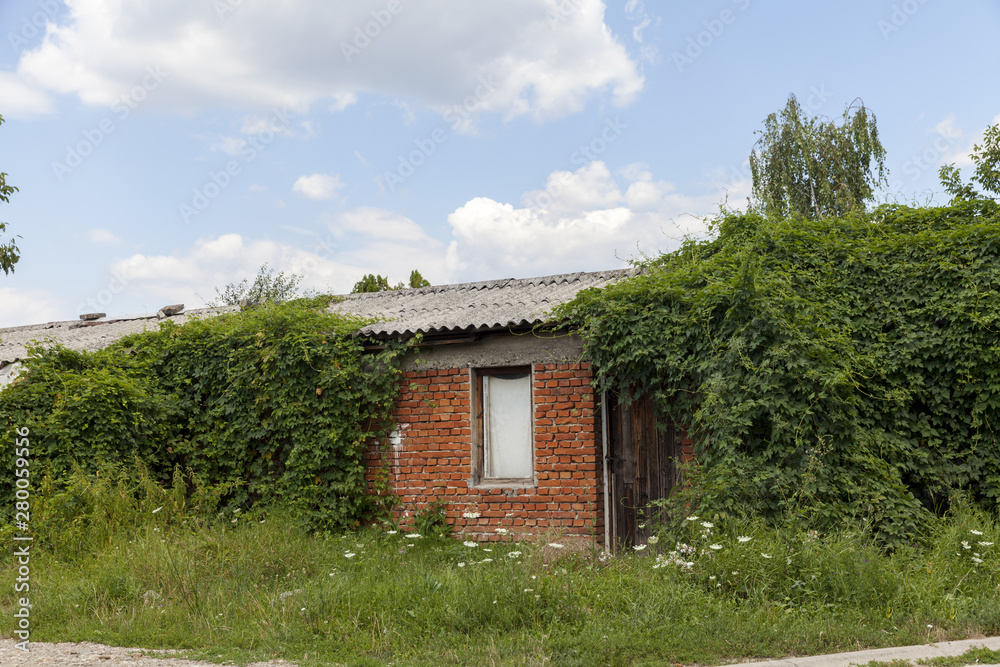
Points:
[[505, 425]]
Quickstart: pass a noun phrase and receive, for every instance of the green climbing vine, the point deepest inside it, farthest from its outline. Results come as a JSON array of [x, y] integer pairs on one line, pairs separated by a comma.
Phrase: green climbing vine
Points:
[[275, 403], [835, 370]]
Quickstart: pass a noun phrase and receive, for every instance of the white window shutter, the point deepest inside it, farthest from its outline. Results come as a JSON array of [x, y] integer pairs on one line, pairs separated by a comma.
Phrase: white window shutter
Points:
[[508, 416]]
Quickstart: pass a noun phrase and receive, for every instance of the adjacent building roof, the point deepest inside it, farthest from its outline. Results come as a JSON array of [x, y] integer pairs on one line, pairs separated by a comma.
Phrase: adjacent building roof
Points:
[[80, 335], [470, 307], [493, 305]]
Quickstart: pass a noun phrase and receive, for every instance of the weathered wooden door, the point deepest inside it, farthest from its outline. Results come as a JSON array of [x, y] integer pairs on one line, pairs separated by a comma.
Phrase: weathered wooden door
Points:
[[642, 467]]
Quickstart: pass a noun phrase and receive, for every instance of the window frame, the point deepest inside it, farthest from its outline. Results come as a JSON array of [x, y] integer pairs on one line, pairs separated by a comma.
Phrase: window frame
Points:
[[479, 425]]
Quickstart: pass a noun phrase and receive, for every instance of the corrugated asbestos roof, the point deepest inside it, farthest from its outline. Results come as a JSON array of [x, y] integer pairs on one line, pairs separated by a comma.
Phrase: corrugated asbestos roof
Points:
[[78, 335], [470, 307]]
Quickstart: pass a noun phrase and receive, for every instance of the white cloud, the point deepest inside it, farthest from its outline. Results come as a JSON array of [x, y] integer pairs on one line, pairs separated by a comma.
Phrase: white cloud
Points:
[[20, 99], [318, 186], [19, 306], [365, 240], [102, 237], [585, 220], [298, 53], [229, 145], [582, 221]]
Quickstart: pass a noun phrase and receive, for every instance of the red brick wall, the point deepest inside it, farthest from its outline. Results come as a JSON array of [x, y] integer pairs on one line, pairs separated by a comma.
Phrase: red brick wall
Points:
[[433, 458]]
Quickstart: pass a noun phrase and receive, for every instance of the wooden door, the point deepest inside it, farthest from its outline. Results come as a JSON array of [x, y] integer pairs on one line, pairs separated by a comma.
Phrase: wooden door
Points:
[[642, 467]]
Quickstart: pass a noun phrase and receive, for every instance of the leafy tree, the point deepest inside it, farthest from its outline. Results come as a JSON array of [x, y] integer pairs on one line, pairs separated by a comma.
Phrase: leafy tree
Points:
[[986, 156], [417, 280], [266, 287], [371, 282], [816, 168], [9, 253]]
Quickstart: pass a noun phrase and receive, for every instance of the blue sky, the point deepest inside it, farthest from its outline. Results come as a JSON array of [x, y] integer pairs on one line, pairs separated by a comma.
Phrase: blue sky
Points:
[[165, 148]]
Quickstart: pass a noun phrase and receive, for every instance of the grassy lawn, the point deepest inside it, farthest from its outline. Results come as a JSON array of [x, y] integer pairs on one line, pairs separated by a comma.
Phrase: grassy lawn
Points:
[[243, 588]]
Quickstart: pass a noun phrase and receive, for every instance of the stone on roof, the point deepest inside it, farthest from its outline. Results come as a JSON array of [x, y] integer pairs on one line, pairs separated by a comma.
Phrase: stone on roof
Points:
[[470, 307]]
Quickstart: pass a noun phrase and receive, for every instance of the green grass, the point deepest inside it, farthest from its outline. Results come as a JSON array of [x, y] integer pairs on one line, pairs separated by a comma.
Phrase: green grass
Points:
[[242, 588], [217, 591]]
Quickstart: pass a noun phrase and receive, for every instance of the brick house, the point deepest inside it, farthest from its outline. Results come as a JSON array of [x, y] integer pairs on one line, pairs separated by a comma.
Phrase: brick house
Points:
[[497, 416]]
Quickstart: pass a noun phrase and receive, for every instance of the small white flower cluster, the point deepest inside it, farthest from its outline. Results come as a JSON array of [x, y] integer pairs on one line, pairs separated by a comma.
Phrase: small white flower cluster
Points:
[[676, 557], [471, 545], [471, 515]]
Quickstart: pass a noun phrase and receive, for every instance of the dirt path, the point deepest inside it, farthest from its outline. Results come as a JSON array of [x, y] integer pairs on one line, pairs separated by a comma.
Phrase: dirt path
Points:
[[86, 654]]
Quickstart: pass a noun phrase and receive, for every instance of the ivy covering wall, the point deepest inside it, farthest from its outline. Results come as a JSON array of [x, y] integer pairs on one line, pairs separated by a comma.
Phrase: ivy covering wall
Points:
[[276, 402], [833, 370]]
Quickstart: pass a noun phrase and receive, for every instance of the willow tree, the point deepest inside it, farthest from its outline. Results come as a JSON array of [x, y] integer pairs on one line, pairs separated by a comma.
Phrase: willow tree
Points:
[[9, 253], [815, 167]]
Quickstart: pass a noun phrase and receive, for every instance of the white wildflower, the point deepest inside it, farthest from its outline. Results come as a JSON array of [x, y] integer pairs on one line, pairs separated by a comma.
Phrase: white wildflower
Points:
[[639, 547], [413, 536], [976, 532], [556, 545], [691, 518], [653, 539], [502, 531], [707, 524], [471, 515], [743, 539], [716, 547], [513, 554], [461, 564], [985, 544], [471, 545]]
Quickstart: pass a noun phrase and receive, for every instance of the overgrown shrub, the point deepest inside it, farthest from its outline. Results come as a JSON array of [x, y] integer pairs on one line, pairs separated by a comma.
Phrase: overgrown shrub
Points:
[[844, 369], [276, 404]]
